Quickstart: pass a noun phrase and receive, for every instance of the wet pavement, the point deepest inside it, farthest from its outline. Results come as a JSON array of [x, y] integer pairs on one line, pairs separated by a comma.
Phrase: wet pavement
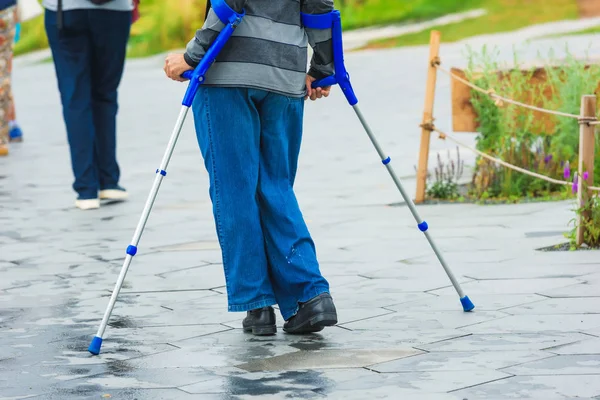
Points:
[[535, 332]]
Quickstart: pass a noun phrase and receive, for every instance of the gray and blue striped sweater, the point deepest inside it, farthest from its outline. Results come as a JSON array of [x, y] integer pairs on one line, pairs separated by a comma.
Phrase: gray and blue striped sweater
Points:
[[269, 49]]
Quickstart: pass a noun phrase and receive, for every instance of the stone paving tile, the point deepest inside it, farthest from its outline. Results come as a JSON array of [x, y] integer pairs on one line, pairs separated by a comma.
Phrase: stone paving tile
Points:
[[556, 387], [121, 376], [336, 383], [153, 283], [113, 350], [346, 358], [585, 346], [559, 365], [161, 262], [390, 391], [163, 334], [510, 286], [514, 270], [418, 320], [92, 393], [168, 299], [532, 323], [531, 341], [459, 361], [483, 302], [282, 385], [185, 317], [201, 356], [590, 305], [282, 395], [359, 297], [426, 382], [28, 297], [36, 381], [575, 290], [425, 277], [334, 338], [178, 300]]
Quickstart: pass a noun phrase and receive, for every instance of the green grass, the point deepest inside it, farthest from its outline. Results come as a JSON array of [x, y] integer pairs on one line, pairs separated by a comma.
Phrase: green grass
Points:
[[502, 16], [588, 31], [166, 25], [363, 13]]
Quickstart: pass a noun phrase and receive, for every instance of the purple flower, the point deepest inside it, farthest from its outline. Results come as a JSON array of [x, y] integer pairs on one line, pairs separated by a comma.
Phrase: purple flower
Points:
[[586, 175], [575, 184], [562, 164], [547, 159], [567, 172]]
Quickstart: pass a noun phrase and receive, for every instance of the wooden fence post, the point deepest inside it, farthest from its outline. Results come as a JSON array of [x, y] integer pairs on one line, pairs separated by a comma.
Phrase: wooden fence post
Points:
[[434, 50], [586, 160]]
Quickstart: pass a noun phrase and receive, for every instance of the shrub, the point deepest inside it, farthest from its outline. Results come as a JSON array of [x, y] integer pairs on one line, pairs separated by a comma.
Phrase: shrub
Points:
[[537, 142]]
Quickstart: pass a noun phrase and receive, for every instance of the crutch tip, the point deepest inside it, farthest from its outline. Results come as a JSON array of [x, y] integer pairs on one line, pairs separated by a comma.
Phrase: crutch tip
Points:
[[95, 345], [467, 304]]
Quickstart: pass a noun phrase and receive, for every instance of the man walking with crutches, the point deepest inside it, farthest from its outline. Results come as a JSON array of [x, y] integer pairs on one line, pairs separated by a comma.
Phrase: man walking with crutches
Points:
[[249, 117]]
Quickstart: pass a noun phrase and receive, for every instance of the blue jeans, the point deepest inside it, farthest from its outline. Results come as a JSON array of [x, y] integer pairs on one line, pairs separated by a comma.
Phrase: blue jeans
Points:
[[250, 141], [89, 57]]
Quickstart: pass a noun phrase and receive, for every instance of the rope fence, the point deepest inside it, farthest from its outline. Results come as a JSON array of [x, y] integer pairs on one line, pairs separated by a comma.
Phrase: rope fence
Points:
[[587, 121], [444, 136], [498, 98], [582, 120]]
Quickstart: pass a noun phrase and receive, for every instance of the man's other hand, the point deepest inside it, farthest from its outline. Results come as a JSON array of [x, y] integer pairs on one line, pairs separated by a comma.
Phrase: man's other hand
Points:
[[317, 93], [175, 65]]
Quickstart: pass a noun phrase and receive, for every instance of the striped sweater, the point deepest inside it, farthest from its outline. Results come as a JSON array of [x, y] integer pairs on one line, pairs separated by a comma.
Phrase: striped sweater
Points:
[[269, 49]]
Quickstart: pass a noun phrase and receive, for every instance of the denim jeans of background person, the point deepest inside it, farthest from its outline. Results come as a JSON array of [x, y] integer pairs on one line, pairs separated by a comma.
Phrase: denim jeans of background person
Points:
[[8, 19], [248, 117], [89, 57]]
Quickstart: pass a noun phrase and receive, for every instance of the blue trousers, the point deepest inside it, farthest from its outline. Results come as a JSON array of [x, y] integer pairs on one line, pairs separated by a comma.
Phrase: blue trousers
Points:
[[89, 57], [250, 141]]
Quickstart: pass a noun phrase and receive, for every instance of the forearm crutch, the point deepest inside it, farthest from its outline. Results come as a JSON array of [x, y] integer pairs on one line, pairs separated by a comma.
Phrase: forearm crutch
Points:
[[231, 19], [342, 78]]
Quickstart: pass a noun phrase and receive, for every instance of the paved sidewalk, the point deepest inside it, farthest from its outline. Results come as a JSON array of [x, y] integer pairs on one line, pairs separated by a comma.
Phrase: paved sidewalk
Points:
[[535, 332]]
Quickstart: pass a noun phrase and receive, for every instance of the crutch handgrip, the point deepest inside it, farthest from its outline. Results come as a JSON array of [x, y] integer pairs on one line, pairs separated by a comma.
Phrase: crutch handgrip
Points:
[[333, 21], [325, 82]]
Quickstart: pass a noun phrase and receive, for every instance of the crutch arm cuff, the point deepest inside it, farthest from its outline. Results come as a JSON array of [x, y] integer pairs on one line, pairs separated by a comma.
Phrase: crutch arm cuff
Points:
[[226, 14], [318, 21]]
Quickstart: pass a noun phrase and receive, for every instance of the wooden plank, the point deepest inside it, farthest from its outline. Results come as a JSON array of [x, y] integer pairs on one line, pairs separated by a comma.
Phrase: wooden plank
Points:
[[464, 117], [434, 49], [588, 8]]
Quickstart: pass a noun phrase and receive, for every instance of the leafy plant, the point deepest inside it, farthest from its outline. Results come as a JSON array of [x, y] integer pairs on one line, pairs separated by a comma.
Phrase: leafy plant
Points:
[[589, 214], [447, 176], [530, 140]]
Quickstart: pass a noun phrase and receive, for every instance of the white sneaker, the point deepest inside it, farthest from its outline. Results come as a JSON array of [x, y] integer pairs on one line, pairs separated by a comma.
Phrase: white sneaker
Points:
[[87, 204], [113, 194]]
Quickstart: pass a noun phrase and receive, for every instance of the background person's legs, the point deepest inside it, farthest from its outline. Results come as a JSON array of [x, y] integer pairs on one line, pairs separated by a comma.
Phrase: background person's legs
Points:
[[228, 130], [290, 249], [71, 51], [7, 32], [16, 134], [109, 36]]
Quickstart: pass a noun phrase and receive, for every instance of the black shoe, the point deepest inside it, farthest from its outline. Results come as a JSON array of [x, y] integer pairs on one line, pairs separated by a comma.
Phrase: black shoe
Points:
[[261, 322], [313, 316]]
